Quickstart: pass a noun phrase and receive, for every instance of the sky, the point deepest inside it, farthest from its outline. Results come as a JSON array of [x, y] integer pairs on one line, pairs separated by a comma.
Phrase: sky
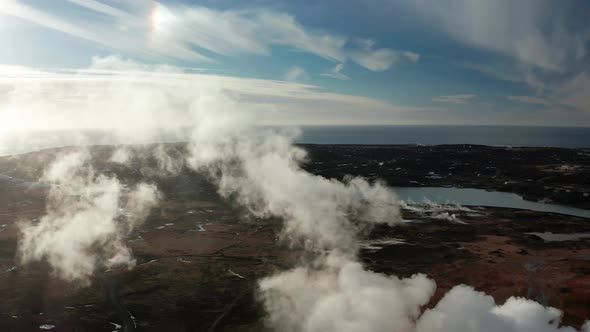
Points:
[[305, 62]]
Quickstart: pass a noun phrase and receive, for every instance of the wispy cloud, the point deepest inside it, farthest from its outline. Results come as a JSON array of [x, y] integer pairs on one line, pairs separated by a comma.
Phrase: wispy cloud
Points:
[[297, 74], [496, 71], [574, 93], [116, 63], [100, 7], [336, 72], [105, 33], [529, 100], [379, 59], [129, 97], [534, 32], [515, 73], [118, 93], [174, 32], [455, 99]]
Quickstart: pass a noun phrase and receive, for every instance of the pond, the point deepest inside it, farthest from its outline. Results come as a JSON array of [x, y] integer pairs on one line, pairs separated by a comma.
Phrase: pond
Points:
[[480, 197]]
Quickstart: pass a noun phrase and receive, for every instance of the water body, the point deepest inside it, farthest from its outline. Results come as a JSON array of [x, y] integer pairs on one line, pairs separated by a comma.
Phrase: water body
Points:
[[9, 181], [563, 137], [480, 197], [558, 237]]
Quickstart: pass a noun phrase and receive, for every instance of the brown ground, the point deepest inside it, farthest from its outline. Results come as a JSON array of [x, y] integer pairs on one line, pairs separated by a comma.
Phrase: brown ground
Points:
[[188, 280], [494, 254]]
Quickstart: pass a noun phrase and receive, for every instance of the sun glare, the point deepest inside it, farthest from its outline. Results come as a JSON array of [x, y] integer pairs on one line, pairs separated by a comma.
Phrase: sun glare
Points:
[[161, 17]]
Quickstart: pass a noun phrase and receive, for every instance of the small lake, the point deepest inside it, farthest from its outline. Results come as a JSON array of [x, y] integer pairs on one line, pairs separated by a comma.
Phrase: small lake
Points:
[[480, 197], [557, 237]]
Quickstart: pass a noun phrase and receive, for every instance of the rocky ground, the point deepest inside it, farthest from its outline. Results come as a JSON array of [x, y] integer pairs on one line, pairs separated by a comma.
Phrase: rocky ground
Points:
[[199, 257]]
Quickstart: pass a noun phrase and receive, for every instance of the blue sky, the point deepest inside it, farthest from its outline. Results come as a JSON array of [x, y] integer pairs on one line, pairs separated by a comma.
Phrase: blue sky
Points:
[[427, 61]]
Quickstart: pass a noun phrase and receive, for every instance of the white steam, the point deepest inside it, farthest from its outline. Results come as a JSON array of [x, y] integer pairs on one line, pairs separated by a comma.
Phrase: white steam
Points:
[[464, 309], [342, 296], [152, 161], [88, 217], [261, 170], [90, 214]]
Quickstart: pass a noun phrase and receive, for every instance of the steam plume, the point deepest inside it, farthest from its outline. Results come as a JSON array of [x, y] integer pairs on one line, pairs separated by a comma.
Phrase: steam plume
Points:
[[261, 170], [88, 217], [341, 296]]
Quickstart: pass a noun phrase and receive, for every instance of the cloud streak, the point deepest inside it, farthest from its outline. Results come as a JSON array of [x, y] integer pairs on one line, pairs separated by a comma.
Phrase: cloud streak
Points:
[[336, 73], [455, 99], [535, 33], [115, 93], [297, 74], [176, 32], [109, 35], [528, 100], [574, 92]]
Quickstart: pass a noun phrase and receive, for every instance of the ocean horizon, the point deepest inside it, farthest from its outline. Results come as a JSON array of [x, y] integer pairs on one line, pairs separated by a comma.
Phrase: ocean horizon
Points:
[[514, 136], [491, 135]]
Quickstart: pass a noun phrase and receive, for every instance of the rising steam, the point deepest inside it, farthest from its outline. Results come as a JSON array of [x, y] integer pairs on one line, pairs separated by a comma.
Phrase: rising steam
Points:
[[90, 214], [261, 170], [340, 295], [88, 217]]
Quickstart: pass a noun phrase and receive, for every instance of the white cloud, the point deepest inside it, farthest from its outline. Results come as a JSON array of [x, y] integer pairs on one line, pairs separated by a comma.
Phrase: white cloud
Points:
[[255, 31], [411, 56], [336, 72], [455, 99], [296, 74], [568, 97], [379, 59], [496, 71], [529, 100], [575, 92], [116, 63], [376, 60], [106, 34], [534, 32], [118, 93], [174, 32], [127, 96], [100, 7], [517, 73]]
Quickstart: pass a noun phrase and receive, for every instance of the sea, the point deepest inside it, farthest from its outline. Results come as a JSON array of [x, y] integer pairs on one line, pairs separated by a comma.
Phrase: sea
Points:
[[515, 136], [561, 137]]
